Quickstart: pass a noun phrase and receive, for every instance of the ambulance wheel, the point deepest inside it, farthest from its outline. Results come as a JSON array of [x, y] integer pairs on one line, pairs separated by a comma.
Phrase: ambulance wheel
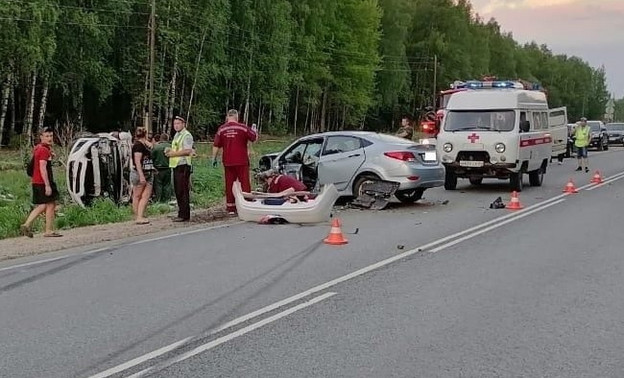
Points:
[[450, 181], [536, 177], [515, 181], [476, 180]]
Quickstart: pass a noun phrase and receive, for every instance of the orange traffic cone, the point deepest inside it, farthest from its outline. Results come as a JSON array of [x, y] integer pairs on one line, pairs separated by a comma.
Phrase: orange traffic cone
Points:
[[514, 204], [335, 236], [570, 188], [597, 179]]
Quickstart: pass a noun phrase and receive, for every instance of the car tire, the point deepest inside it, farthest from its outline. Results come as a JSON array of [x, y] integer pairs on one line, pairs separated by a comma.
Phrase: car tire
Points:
[[515, 181], [409, 196], [357, 185], [450, 180], [536, 177], [476, 181]]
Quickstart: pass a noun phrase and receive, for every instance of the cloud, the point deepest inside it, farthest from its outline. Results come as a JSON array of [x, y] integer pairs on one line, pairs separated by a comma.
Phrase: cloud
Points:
[[590, 29]]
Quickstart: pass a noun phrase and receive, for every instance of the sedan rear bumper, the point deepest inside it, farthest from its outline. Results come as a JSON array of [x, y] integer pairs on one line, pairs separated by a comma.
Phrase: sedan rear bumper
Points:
[[418, 177]]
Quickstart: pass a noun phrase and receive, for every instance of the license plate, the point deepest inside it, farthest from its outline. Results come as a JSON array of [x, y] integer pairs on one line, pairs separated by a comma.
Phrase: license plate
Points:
[[472, 164], [430, 156]]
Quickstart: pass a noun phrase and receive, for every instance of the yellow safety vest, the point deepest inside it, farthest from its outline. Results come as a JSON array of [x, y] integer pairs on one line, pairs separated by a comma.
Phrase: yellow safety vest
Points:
[[582, 136], [176, 145]]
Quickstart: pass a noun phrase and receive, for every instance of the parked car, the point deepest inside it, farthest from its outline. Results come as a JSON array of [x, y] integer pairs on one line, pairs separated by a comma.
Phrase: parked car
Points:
[[348, 159], [599, 136], [615, 130]]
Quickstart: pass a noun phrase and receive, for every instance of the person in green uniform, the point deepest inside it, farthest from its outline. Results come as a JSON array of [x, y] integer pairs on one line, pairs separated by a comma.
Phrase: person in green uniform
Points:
[[162, 182]]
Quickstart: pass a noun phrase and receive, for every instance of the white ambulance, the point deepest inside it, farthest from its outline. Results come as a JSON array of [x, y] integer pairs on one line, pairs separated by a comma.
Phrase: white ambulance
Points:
[[496, 129]]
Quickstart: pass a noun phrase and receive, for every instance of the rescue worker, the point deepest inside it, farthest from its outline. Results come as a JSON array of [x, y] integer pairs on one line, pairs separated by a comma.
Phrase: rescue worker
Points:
[[231, 140], [406, 130], [162, 181], [180, 161], [285, 185], [582, 133]]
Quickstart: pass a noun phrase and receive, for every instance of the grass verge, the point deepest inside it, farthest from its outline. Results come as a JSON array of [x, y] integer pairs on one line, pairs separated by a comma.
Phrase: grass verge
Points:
[[15, 192]]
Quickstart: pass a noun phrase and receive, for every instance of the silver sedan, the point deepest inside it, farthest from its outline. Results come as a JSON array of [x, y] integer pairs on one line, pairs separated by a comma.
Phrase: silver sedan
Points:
[[350, 158]]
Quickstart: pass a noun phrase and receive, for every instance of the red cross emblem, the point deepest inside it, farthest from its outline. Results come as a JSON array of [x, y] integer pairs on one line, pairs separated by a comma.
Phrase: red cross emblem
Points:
[[473, 138]]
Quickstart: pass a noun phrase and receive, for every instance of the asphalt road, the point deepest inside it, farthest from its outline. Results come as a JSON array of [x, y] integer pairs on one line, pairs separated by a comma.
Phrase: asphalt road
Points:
[[436, 289]]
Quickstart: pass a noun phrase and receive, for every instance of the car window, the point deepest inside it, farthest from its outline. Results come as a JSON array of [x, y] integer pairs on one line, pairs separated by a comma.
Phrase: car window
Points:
[[340, 144], [493, 120], [594, 125], [615, 126], [303, 151]]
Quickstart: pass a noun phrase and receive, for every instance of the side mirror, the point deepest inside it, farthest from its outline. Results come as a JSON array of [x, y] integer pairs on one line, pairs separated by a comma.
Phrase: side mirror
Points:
[[525, 126]]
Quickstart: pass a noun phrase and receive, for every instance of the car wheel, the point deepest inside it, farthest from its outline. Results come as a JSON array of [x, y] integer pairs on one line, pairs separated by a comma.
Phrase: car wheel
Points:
[[450, 181], [536, 177], [476, 180], [409, 196], [357, 185], [515, 181]]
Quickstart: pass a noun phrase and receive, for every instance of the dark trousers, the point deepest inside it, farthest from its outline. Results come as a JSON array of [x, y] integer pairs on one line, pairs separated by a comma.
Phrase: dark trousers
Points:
[[233, 173], [162, 185], [182, 187]]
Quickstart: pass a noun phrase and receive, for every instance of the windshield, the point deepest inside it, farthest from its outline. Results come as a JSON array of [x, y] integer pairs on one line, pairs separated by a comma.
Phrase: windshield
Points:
[[615, 126], [492, 120], [593, 125]]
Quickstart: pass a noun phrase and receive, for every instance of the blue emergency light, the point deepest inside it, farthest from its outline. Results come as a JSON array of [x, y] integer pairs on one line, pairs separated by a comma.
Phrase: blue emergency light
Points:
[[501, 84]]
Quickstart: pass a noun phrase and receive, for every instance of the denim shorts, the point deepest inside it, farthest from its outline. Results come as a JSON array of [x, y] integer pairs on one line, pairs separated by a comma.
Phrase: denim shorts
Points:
[[149, 177], [581, 152]]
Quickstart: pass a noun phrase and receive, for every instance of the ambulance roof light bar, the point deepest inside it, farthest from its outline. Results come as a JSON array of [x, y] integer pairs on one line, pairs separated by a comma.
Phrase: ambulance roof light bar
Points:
[[500, 84]]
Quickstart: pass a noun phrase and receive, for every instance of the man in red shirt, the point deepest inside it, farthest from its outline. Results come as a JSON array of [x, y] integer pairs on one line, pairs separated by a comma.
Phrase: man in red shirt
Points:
[[285, 186], [232, 139], [44, 188]]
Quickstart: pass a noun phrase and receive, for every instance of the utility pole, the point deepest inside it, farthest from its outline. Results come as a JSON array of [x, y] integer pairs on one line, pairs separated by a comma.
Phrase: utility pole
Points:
[[150, 101], [435, 80]]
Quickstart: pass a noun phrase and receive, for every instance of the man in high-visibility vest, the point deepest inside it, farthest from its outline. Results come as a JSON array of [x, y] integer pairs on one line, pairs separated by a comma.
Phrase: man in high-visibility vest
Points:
[[180, 161], [582, 133]]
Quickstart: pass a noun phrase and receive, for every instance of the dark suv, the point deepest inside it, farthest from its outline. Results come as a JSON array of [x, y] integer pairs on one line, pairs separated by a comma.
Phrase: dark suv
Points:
[[599, 135], [616, 132]]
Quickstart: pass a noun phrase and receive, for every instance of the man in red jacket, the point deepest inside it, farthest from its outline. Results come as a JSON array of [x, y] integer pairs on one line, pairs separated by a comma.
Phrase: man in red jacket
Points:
[[232, 139], [44, 188]]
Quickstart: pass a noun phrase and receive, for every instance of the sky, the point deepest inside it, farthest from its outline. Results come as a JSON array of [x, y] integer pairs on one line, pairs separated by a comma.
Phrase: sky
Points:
[[590, 29]]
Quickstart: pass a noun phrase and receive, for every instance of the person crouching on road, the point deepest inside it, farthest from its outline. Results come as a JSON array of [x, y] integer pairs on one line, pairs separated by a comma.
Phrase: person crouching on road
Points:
[[142, 175], [180, 159], [582, 133], [45, 193], [232, 139]]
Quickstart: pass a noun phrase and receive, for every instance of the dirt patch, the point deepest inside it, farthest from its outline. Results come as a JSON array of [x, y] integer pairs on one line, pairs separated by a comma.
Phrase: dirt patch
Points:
[[86, 236]]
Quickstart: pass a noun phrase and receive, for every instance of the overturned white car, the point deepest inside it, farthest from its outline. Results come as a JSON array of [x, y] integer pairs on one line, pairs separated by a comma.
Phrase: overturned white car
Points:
[[99, 165]]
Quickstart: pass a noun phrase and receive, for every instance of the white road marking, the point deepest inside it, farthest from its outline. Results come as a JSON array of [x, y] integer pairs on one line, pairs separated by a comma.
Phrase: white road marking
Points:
[[184, 233], [606, 181], [469, 233], [487, 229], [495, 223], [47, 260], [90, 252], [233, 335]]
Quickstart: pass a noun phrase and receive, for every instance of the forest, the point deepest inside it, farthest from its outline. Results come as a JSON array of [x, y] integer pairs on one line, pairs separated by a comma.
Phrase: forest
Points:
[[291, 66]]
